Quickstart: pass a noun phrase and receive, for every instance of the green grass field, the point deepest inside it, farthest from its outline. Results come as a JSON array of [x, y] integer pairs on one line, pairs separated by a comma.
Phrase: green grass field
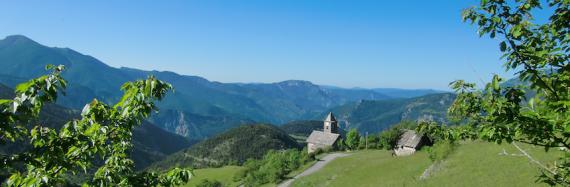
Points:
[[472, 164], [223, 174]]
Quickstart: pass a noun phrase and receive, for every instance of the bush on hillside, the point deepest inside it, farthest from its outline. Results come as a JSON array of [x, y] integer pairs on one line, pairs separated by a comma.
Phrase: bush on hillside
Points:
[[341, 146], [362, 143], [389, 138], [373, 141], [440, 150], [319, 151], [352, 139], [209, 183], [273, 168]]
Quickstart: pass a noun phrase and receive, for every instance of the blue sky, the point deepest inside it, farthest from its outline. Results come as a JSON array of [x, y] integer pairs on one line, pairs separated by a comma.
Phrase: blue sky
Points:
[[402, 44]]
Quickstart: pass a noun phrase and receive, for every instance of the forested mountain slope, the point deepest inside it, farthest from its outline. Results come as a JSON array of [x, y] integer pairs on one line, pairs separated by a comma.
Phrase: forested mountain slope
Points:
[[375, 116], [231, 147]]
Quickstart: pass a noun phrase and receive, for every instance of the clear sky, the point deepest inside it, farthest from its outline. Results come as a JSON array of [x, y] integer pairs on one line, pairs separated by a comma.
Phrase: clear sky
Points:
[[376, 43]]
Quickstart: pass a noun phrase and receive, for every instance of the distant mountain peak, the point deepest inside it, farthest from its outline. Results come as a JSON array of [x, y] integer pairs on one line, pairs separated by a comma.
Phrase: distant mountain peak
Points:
[[296, 83], [12, 39], [17, 37]]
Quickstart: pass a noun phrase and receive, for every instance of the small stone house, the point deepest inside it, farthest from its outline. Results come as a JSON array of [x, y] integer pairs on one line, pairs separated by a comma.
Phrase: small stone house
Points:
[[409, 142], [326, 138]]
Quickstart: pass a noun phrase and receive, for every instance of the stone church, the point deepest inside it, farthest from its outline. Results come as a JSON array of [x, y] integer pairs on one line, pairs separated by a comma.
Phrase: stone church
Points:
[[326, 138]]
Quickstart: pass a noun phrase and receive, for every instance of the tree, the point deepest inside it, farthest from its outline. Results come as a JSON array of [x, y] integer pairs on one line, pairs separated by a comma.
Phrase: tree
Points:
[[373, 141], [273, 167], [535, 111], [389, 138], [352, 139], [103, 132]]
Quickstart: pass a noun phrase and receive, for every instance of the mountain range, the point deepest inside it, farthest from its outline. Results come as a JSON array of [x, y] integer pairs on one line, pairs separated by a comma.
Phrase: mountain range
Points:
[[198, 108], [376, 115]]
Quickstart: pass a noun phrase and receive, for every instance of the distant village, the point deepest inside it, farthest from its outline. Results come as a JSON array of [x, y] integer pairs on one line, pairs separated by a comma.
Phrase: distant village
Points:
[[408, 143]]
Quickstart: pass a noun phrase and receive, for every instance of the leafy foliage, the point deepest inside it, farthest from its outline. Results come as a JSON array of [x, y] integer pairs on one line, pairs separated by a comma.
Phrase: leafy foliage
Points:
[[209, 183], [102, 132], [274, 166], [389, 138], [352, 139], [440, 150], [539, 52], [150, 142]]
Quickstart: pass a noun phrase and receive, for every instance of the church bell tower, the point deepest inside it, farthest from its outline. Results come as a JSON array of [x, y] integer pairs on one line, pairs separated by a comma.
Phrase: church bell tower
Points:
[[330, 124]]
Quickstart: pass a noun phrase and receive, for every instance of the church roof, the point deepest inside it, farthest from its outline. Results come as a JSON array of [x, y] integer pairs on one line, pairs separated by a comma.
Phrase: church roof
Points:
[[409, 139], [330, 117], [323, 138]]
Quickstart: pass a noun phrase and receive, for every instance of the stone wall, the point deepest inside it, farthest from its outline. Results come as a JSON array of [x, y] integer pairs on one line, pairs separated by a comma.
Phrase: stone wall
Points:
[[404, 151]]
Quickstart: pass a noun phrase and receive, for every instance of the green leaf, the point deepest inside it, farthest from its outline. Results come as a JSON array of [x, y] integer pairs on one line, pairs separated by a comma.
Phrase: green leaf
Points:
[[24, 86], [503, 46], [92, 129], [516, 31], [49, 66], [5, 101]]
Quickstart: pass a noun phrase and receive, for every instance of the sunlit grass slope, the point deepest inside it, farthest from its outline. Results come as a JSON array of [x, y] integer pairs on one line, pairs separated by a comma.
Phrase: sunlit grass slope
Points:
[[472, 164], [223, 174]]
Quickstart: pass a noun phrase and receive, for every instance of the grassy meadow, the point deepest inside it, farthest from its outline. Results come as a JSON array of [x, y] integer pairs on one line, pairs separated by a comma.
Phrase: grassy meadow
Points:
[[224, 175], [471, 164]]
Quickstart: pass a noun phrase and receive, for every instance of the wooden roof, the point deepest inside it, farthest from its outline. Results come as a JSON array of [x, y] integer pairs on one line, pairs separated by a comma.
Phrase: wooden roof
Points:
[[410, 139]]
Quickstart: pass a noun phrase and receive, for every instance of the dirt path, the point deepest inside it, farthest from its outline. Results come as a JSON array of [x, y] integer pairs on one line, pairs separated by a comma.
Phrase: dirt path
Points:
[[316, 167]]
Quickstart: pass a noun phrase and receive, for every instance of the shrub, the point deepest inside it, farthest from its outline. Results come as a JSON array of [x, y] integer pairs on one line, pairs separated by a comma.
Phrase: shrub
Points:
[[373, 141], [341, 146], [362, 143], [209, 183], [327, 149], [352, 139], [389, 138], [273, 167], [440, 150]]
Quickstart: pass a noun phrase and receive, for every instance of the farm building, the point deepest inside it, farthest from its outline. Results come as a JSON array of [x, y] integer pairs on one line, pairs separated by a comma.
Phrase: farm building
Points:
[[326, 138], [409, 142]]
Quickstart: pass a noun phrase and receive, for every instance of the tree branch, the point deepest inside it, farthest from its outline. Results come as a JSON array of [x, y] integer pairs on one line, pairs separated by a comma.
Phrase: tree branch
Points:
[[533, 160]]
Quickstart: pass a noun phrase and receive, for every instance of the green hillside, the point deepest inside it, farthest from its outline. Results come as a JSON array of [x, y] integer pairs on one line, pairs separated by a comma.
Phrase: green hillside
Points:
[[472, 164], [231, 147], [375, 116]]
